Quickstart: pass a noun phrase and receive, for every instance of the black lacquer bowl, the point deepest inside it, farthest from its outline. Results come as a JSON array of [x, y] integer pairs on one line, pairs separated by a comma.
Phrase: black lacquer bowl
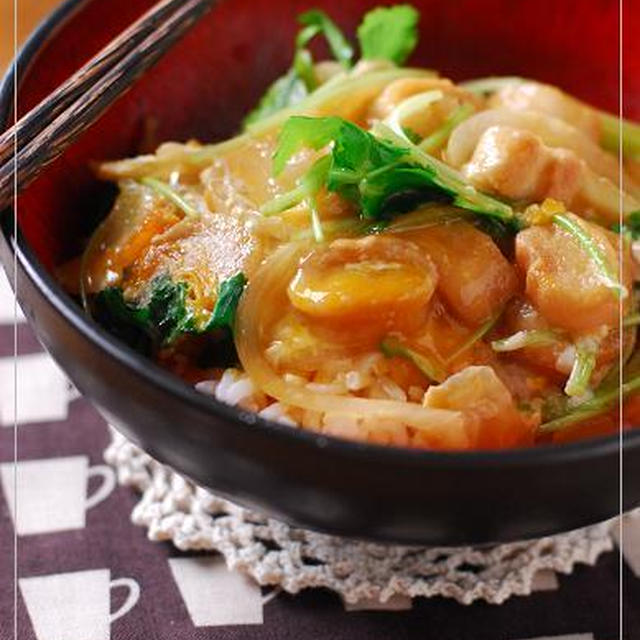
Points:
[[200, 89]]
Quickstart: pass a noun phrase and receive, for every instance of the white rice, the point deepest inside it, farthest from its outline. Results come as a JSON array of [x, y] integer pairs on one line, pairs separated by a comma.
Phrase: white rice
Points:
[[364, 377]]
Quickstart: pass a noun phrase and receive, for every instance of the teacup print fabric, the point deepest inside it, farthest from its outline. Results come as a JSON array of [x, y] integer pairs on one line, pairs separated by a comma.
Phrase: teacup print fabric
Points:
[[85, 572]]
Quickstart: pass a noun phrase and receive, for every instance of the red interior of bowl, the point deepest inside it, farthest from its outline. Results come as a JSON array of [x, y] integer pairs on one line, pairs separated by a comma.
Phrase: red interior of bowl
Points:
[[216, 73]]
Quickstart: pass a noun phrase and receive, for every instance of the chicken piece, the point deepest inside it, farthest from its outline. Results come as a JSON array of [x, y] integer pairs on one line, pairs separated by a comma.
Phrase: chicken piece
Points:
[[492, 420], [516, 164], [556, 359], [202, 253], [543, 98], [564, 283], [552, 131], [476, 280]]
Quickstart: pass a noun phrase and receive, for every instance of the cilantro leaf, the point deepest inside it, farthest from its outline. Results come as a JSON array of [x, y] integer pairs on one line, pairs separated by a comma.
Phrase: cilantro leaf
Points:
[[317, 22], [378, 175], [286, 91], [295, 85], [389, 33]]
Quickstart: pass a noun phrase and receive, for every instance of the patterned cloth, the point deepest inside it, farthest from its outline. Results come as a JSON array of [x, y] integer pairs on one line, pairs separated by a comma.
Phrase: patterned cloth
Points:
[[86, 573]]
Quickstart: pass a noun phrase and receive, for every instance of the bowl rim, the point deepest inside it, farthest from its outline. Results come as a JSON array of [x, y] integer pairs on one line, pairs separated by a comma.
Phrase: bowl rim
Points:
[[166, 382]]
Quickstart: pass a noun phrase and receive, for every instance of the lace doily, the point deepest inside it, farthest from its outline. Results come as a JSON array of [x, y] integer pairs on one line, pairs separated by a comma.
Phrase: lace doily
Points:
[[274, 553]]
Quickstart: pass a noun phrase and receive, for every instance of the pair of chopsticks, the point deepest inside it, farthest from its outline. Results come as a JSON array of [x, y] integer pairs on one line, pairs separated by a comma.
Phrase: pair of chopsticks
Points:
[[41, 135]]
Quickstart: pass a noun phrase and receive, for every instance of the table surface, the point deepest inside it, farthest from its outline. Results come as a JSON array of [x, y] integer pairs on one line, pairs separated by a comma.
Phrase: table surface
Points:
[[65, 562]]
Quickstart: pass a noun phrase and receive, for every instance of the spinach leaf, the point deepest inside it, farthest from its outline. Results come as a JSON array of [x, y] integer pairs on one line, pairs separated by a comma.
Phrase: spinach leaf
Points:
[[164, 315], [158, 321], [389, 33], [224, 311]]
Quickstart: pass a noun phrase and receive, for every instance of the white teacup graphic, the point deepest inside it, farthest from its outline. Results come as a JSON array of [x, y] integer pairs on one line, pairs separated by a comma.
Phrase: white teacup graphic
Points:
[[42, 392], [9, 313], [75, 606], [52, 493], [214, 595]]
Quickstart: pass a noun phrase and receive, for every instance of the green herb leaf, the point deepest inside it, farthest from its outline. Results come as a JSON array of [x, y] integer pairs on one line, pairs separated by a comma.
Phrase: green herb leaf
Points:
[[294, 86], [451, 181], [224, 312], [319, 22], [286, 91], [389, 33], [378, 175]]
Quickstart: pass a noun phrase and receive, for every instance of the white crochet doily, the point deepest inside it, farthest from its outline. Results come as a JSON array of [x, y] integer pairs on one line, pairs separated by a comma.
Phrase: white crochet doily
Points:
[[274, 553]]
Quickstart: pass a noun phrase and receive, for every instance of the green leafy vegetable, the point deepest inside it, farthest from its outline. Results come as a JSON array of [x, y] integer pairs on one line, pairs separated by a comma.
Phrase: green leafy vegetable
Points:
[[391, 347], [389, 33], [156, 322], [164, 315], [449, 180], [286, 91], [378, 175], [295, 85], [317, 22], [224, 311], [631, 226], [170, 194]]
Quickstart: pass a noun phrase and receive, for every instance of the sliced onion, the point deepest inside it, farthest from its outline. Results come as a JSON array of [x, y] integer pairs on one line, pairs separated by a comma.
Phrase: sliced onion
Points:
[[343, 96], [263, 303]]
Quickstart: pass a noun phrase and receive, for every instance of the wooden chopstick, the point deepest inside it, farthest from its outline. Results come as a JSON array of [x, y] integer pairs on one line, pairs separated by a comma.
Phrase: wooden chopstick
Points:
[[48, 129], [82, 80]]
